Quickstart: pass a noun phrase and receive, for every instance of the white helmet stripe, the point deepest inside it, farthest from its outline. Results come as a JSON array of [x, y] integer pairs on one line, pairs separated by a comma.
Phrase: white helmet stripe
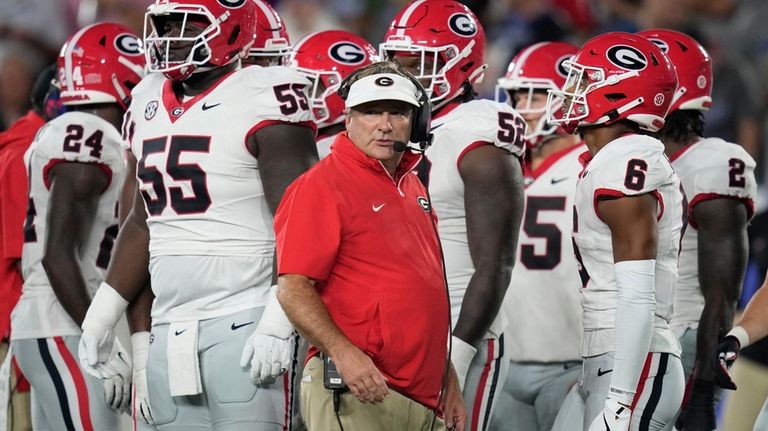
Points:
[[527, 53], [406, 16], [68, 55], [273, 23]]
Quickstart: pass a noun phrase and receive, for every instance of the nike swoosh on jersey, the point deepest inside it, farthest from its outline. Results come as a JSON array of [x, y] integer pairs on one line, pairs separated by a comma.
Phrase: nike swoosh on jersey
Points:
[[236, 327], [558, 180], [180, 332], [207, 107], [433, 128], [377, 208], [602, 373]]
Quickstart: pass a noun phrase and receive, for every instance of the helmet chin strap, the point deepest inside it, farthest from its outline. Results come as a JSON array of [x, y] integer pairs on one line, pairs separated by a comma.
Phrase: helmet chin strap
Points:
[[616, 113]]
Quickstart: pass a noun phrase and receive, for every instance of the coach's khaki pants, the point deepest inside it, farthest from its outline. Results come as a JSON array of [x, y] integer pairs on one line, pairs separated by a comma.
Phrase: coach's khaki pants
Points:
[[396, 412]]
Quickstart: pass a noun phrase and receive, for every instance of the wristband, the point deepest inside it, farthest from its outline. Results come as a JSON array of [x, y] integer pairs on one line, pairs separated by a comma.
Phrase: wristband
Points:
[[741, 334]]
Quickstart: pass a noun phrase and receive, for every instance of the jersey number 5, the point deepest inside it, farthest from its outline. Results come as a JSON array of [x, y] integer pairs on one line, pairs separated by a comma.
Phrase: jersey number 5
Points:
[[192, 172], [549, 231]]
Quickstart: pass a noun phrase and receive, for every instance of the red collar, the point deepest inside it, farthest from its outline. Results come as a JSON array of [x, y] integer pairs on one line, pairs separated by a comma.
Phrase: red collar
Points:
[[344, 146]]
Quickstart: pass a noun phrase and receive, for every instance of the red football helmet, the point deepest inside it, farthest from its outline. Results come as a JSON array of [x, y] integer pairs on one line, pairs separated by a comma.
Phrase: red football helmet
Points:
[[271, 35], [100, 63], [615, 76], [326, 58], [229, 29], [449, 33], [693, 66], [538, 67]]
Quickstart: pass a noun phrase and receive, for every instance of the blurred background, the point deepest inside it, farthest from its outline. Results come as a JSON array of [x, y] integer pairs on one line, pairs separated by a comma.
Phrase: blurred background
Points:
[[32, 32]]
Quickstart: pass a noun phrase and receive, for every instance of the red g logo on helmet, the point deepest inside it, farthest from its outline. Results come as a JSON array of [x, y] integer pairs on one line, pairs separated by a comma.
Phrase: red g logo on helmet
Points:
[[462, 24], [128, 44], [626, 57], [347, 53]]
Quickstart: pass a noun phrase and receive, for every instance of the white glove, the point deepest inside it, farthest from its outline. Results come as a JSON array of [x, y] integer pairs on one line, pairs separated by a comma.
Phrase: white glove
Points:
[[140, 346], [117, 389], [614, 417], [269, 350], [96, 342], [461, 357]]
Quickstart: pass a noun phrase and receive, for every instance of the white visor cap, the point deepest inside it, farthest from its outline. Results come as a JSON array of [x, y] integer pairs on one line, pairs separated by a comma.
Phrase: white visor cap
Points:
[[382, 86]]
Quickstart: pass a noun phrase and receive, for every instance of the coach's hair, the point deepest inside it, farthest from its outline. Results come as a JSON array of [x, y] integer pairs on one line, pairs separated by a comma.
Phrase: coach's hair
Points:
[[683, 125]]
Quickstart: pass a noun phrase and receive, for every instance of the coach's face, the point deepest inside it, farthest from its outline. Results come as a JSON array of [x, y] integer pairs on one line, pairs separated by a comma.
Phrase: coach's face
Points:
[[375, 126]]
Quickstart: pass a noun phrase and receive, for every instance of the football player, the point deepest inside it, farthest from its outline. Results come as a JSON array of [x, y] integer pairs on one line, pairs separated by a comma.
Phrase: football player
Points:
[[216, 146], [272, 45], [719, 181], [75, 168], [542, 302], [628, 221], [474, 175], [326, 58]]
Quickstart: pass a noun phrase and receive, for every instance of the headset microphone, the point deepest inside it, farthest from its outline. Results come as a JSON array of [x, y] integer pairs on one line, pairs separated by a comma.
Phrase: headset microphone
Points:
[[400, 146]]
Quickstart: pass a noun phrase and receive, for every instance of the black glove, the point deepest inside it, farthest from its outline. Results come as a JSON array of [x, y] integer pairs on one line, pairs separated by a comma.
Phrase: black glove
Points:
[[699, 413], [725, 354]]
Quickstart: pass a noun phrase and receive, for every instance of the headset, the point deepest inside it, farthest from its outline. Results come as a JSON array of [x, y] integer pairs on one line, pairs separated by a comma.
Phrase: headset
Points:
[[422, 116]]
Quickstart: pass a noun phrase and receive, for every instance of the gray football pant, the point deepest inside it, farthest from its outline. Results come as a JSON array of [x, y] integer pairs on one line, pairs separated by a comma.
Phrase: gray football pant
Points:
[[63, 396], [532, 395], [229, 401], [485, 380], [657, 398]]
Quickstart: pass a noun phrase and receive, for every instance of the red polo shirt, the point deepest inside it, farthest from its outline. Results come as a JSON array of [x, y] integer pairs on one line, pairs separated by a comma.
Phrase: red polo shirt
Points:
[[370, 243], [13, 207]]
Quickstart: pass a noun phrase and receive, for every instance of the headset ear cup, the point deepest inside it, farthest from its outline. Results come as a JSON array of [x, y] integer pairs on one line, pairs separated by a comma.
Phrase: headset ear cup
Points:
[[421, 122]]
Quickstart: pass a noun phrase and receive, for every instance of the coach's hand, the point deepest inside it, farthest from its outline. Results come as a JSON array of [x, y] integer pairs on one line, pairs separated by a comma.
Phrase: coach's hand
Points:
[[269, 350], [117, 388], [699, 413], [360, 374], [140, 347], [454, 410], [725, 354], [96, 343]]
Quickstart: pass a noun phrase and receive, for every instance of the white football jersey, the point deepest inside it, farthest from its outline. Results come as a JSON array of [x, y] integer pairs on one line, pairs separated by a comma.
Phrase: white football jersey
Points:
[[543, 300], [627, 166], [209, 222], [709, 169], [72, 137], [324, 145], [457, 131]]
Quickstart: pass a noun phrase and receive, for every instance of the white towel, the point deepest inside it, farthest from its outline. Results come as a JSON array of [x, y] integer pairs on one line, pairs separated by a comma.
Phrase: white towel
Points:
[[183, 362]]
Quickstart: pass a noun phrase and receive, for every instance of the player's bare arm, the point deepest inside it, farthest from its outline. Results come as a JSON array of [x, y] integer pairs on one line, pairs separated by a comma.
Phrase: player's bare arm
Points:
[[75, 190], [127, 190], [306, 310], [632, 220], [494, 206], [723, 250], [139, 311], [284, 152], [128, 271]]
